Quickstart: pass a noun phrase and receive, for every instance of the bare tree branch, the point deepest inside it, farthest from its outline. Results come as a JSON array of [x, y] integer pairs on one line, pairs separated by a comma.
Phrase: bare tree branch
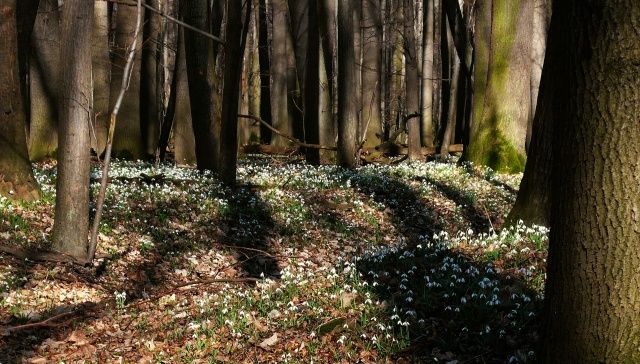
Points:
[[292, 139]]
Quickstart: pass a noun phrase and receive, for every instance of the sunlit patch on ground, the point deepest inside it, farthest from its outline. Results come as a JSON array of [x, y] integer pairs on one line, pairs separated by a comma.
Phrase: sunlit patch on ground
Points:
[[299, 264]]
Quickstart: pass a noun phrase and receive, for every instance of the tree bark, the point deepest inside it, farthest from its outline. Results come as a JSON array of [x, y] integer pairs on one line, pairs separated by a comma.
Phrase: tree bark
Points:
[[235, 39], [183, 136], [412, 84], [371, 73], [453, 98], [347, 108], [101, 68], [44, 81], [328, 93], [265, 72], [592, 296], [312, 85], [541, 17], [502, 106], [426, 102], [200, 61], [71, 226], [16, 176], [150, 101], [279, 104], [127, 138]]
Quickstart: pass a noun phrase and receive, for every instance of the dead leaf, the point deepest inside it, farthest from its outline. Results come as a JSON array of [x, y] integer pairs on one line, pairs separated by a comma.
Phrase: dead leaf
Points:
[[78, 338], [268, 342], [330, 326]]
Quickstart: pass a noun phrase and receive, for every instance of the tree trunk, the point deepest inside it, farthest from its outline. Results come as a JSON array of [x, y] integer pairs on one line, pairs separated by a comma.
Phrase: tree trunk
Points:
[[347, 108], [279, 109], [26, 13], [71, 227], [150, 101], [127, 138], [371, 72], [16, 176], [183, 136], [426, 102], [200, 61], [265, 72], [437, 64], [328, 94], [453, 98], [101, 68], [312, 85], [541, 17], [235, 39], [592, 296], [501, 110], [412, 85], [44, 81]]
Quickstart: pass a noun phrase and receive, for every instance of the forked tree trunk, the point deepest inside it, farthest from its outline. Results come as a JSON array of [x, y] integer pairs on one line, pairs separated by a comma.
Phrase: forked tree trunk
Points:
[[347, 108], [16, 176], [592, 296], [71, 226]]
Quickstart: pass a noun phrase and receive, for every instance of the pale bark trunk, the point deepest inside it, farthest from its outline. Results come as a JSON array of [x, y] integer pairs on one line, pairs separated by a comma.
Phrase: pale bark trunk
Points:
[[150, 105], [541, 17], [453, 98], [427, 129], [412, 85], [101, 72], [312, 85], [279, 104], [371, 126], [265, 72]]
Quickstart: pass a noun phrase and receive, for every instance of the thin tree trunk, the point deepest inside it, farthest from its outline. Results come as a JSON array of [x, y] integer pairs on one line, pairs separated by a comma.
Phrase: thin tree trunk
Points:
[[26, 13], [427, 77], [149, 106], [183, 136], [412, 84], [16, 176], [279, 104], [347, 108], [371, 127], [328, 103], [437, 64], [265, 72], [71, 226], [592, 292], [235, 39], [312, 85], [453, 104]]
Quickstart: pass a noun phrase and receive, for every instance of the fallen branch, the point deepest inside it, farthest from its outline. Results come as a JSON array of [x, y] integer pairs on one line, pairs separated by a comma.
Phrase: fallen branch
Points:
[[126, 77], [292, 139], [46, 323]]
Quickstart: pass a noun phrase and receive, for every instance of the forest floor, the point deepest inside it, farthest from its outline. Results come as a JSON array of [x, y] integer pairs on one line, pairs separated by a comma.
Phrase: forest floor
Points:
[[395, 263]]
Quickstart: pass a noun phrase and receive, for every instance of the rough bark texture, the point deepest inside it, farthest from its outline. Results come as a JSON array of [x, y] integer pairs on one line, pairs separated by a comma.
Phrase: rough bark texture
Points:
[[26, 13], [371, 73], [202, 86], [16, 176], [71, 227], [541, 18], [502, 106], [347, 108], [437, 63], [453, 96], [127, 137], [265, 72], [44, 81], [101, 70], [327, 19], [592, 293], [279, 104], [235, 39], [412, 84], [312, 85]]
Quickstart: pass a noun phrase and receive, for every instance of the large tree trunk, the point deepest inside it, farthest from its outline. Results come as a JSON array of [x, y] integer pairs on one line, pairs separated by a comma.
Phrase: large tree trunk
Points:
[[235, 39], [16, 176], [592, 296], [202, 86], [412, 84], [265, 72], [312, 85], [347, 108], [541, 17], [502, 106], [26, 12], [44, 81], [71, 227], [127, 138], [371, 127]]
